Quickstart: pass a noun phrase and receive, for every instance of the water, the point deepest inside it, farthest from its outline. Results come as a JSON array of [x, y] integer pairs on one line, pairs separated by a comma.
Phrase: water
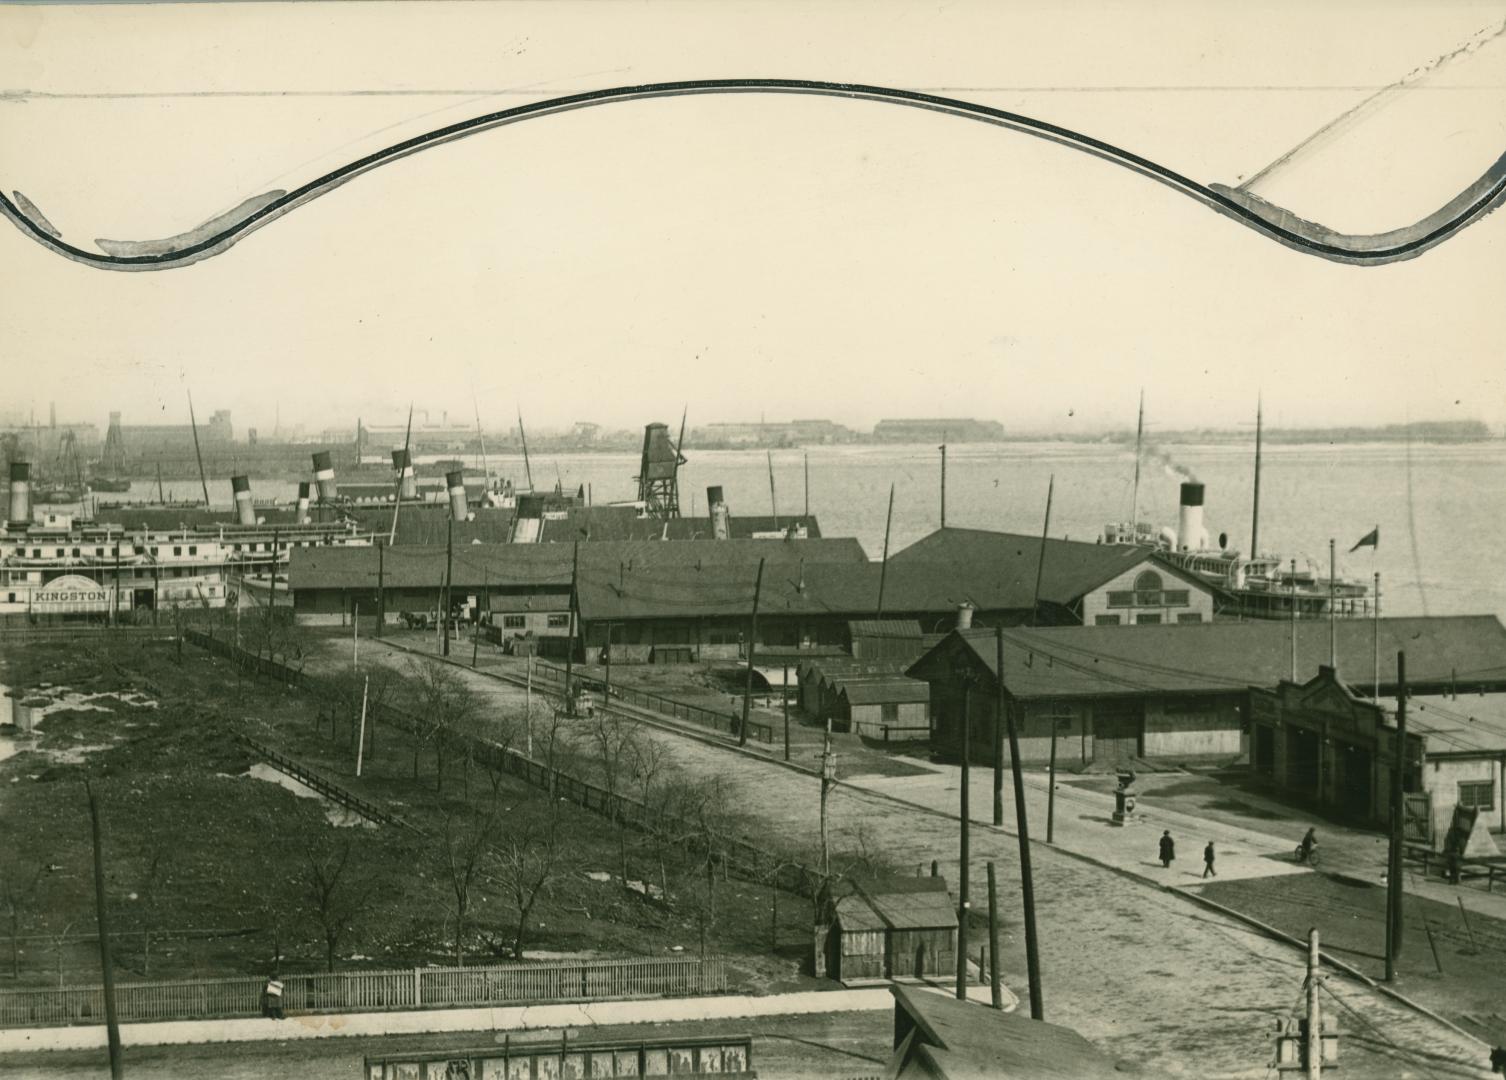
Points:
[[1454, 500]]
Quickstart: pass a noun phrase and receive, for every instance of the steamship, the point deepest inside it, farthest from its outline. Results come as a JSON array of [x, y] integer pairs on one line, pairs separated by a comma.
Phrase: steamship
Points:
[[1245, 587], [57, 564]]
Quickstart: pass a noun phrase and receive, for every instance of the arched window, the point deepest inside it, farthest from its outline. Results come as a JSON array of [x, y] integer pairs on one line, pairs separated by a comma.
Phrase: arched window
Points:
[[1148, 581]]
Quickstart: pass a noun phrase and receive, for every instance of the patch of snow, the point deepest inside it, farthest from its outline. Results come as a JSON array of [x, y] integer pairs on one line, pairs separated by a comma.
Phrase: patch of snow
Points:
[[598, 875], [335, 814]]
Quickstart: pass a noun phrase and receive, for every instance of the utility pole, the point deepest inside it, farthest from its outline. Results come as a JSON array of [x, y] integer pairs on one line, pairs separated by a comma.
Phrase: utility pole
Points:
[[101, 909], [361, 739], [884, 565], [1314, 1009], [449, 568], [1255, 508], [807, 486], [742, 731], [996, 988], [1333, 626], [1040, 562], [272, 582], [607, 693], [570, 644], [942, 448], [963, 901], [828, 779], [1375, 638], [1398, 789], [998, 740], [355, 632], [1027, 885], [1292, 594], [1051, 790], [785, 700], [115, 610], [381, 586]]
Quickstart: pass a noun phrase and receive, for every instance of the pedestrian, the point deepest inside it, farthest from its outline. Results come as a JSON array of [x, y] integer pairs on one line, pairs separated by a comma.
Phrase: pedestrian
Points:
[[1208, 861], [271, 998], [1168, 848]]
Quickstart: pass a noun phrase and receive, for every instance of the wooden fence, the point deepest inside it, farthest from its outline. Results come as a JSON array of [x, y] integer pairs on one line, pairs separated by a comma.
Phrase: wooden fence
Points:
[[735, 856], [681, 710], [324, 785], [372, 991]]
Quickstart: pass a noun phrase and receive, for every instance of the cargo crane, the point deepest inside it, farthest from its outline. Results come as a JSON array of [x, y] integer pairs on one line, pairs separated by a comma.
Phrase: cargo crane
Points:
[[658, 472]]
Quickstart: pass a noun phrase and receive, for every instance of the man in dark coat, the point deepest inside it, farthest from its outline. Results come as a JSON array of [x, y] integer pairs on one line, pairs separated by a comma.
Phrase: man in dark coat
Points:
[[1208, 861], [1168, 848]]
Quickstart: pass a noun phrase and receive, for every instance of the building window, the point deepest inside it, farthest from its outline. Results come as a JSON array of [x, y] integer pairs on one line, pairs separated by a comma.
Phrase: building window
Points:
[[1175, 598], [559, 622], [1190, 617], [1105, 620], [154, 551], [1477, 794], [1118, 598], [75, 553], [99, 553], [1148, 618], [1148, 581], [889, 712], [177, 551], [60, 553], [193, 551], [514, 622]]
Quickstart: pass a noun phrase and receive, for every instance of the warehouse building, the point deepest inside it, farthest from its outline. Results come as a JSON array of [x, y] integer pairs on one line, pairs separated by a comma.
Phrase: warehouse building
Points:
[[1180, 693]]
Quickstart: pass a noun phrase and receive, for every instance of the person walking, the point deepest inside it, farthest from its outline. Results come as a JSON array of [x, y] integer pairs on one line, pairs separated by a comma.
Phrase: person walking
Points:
[[271, 999], [1208, 861], [1168, 848]]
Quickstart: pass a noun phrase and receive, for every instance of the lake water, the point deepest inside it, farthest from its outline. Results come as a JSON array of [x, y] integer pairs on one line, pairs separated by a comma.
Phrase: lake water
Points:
[[1441, 509]]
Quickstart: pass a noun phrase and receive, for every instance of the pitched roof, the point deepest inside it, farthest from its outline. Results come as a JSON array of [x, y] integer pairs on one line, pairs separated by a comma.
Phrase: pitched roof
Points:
[[965, 1040], [895, 902], [885, 628], [649, 577], [1074, 661], [625, 523], [1458, 724], [888, 689], [1001, 567]]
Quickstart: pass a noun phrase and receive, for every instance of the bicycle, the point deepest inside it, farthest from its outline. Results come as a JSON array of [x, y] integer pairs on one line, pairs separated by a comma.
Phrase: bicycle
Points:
[[1312, 858]]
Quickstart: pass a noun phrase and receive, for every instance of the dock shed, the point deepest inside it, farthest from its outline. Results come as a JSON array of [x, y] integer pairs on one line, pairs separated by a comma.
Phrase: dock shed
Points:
[[888, 928], [889, 707]]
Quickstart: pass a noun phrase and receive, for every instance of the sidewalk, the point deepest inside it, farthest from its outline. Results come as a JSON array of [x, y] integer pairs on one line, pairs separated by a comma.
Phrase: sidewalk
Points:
[[431, 1021]]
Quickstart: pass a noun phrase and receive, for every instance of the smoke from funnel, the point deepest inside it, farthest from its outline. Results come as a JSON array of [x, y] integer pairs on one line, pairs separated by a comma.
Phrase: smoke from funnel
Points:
[[1175, 470]]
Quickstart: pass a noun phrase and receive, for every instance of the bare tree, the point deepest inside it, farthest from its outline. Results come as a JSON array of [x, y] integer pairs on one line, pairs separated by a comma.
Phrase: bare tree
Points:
[[157, 873], [706, 813], [530, 857], [650, 762], [445, 704], [18, 888], [466, 838], [335, 896], [614, 739]]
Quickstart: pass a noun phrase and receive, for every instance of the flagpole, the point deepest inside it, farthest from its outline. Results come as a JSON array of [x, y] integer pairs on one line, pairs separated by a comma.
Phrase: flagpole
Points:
[[1333, 628], [1375, 622]]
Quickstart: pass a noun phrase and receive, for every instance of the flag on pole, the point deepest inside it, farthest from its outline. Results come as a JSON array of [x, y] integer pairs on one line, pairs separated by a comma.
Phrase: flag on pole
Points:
[[1370, 539]]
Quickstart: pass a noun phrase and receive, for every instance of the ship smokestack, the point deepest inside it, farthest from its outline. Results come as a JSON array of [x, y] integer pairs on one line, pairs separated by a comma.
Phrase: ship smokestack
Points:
[[529, 522], [721, 526], [402, 464], [20, 493], [303, 502], [1191, 535], [240, 487], [324, 473], [964, 616], [455, 481]]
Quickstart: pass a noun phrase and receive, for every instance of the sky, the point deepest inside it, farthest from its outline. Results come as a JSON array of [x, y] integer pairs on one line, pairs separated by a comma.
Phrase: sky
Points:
[[748, 256]]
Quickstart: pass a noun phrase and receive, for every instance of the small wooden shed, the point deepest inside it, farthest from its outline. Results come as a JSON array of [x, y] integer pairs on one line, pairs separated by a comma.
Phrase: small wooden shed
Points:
[[889, 707], [890, 928]]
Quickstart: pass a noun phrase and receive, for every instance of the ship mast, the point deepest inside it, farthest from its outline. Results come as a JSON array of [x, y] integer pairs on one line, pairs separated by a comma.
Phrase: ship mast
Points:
[[1255, 511], [1135, 504], [523, 437]]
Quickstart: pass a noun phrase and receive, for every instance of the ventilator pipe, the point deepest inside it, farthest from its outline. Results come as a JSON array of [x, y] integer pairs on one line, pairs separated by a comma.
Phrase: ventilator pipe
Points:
[[721, 525]]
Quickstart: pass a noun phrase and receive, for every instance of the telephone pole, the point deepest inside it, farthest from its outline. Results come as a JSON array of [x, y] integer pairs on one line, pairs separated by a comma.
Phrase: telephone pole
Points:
[[742, 731], [1314, 1009], [963, 901], [1398, 788], [828, 778], [449, 568], [381, 587], [101, 909], [1022, 827]]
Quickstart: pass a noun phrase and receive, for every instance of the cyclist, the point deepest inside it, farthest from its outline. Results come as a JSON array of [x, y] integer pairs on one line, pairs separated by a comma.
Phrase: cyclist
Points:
[[1305, 849]]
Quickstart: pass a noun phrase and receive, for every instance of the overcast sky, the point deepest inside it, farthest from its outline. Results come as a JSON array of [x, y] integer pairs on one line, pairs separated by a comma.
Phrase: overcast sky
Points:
[[752, 255]]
